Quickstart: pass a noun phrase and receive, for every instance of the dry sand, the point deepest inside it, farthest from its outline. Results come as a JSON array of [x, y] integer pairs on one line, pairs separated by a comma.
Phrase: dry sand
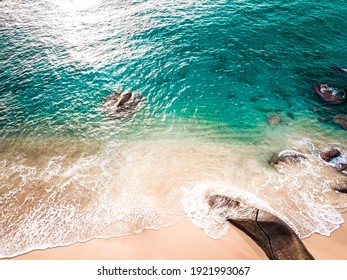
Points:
[[185, 241]]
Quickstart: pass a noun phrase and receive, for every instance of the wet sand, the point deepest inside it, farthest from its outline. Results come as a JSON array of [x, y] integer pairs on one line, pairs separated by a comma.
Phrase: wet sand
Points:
[[185, 241], [332, 247]]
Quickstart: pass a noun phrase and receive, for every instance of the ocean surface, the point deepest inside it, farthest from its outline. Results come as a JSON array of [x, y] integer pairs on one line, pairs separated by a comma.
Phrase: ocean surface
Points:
[[209, 74]]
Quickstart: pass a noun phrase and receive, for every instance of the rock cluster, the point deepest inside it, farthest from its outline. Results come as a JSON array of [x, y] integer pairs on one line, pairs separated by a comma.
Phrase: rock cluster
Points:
[[330, 155], [333, 157]]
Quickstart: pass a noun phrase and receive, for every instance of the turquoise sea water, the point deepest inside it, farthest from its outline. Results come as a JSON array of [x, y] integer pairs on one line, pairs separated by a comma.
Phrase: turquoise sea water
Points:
[[209, 72]]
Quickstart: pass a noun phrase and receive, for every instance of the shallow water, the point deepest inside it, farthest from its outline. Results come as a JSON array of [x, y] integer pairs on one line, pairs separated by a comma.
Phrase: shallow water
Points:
[[209, 75]]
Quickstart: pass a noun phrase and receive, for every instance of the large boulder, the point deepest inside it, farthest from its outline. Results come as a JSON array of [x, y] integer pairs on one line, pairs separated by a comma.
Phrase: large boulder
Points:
[[273, 236]]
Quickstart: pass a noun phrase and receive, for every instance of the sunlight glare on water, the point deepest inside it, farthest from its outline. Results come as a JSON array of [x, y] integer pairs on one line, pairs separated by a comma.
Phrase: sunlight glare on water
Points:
[[77, 5]]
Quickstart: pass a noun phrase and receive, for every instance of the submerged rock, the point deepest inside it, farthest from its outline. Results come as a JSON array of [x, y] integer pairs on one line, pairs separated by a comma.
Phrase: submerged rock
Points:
[[287, 156], [273, 236], [330, 154], [274, 119], [121, 104], [341, 120]]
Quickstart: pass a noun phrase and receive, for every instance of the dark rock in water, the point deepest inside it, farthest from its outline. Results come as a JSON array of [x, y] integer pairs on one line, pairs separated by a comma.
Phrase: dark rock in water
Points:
[[327, 94], [341, 167], [273, 236], [330, 154], [341, 120], [118, 98], [341, 186], [123, 98], [274, 119], [339, 69], [287, 156], [121, 104]]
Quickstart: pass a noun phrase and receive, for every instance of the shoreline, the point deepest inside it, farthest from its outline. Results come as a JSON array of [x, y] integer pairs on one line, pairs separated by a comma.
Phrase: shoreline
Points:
[[185, 241], [333, 247], [182, 241]]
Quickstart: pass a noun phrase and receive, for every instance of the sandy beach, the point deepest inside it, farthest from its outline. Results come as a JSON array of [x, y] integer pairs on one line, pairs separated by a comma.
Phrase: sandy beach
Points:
[[332, 247], [120, 116], [185, 241]]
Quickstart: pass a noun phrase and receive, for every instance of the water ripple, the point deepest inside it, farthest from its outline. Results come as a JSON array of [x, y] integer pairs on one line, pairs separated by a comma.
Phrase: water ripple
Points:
[[209, 73]]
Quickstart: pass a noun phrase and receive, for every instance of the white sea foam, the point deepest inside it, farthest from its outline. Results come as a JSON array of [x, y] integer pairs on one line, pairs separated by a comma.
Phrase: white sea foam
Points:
[[300, 194], [58, 192]]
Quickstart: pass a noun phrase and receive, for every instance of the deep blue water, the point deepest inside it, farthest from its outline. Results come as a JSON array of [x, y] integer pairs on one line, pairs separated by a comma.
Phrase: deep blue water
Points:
[[210, 70]]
